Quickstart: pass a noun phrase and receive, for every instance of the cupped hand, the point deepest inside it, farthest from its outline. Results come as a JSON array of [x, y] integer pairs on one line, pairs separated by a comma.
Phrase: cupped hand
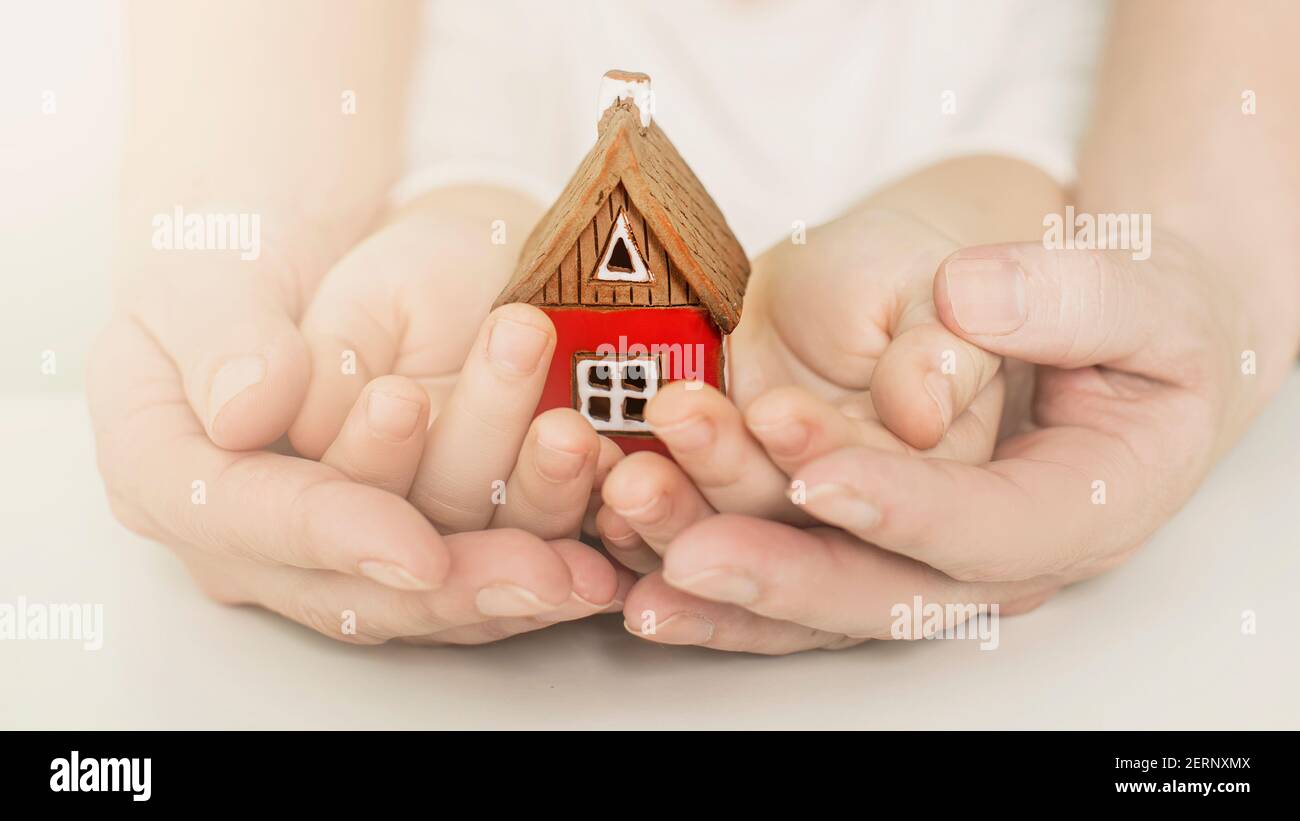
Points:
[[840, 344], [306, 539], [411, 301], [1141, 388], [178, 441]]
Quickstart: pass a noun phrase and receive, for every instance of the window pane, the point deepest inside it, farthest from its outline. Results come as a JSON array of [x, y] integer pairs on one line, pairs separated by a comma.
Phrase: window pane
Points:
[[634, 376], [634, 408], [598, 408], [598, 376]]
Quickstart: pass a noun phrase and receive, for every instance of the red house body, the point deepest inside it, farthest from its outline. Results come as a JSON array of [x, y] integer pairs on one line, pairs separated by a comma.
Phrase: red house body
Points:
[[637, 268]]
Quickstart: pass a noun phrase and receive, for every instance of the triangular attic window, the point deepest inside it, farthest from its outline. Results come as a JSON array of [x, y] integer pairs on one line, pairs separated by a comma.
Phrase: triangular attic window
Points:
[[622, 261]]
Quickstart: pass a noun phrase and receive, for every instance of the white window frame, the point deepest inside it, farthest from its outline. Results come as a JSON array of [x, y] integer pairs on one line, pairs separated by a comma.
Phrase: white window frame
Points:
[[622, 231], [616, 392]]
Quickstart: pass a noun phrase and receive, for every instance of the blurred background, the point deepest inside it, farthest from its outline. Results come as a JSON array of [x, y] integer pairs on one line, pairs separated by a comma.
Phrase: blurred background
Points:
[[61, 118]]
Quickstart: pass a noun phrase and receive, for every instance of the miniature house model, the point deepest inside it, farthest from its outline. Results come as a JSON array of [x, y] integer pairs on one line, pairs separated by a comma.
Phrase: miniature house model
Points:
[[637, 269]]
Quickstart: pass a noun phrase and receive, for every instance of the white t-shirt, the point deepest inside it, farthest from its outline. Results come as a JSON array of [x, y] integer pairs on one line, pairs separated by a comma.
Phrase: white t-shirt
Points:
[[785, 110]]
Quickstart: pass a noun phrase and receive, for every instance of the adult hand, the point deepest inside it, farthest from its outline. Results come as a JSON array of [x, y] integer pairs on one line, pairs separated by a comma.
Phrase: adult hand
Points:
[[203, 365], [308, 539], [302, 538], [1141, 389]]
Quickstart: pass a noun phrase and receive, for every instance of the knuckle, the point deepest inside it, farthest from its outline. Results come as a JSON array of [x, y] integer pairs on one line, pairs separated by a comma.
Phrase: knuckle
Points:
[[860, 343], [982, 368], [300, 536], [131, 516], [218, 588], [981, 572], [500, 629], [423, 641], [843, 643], [530, 550], [328, 624], [421, 615], [451, 515], [524, 313], [302, 599], [400, 386], [372, 475]]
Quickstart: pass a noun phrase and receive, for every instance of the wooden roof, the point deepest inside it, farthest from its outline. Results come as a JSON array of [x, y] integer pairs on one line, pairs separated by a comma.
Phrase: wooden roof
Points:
[[674, 203]]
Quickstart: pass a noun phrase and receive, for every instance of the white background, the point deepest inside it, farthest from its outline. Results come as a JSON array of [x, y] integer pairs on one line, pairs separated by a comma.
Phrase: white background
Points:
[[58, 184]]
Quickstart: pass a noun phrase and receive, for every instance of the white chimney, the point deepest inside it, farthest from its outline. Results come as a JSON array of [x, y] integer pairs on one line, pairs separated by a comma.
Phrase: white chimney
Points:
[[626, 85]]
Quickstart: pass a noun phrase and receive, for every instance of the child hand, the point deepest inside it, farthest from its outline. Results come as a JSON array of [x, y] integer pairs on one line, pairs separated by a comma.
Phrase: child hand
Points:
[[381, 444], [409, 301]]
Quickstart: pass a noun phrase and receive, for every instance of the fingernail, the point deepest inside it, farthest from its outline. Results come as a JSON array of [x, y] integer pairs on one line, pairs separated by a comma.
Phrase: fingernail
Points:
[[838, 505], [234, 378], [987, 295], [785, 438], [392, 575], [573, 611], [719, 584], [509, 600], [683, 628], [391, 417], [557, 464], [692, 433], [940, 391], [516, 346]]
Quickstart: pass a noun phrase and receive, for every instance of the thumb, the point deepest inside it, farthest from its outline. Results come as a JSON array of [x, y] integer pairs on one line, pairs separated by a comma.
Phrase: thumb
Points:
[[242, 360], [1068, 309]]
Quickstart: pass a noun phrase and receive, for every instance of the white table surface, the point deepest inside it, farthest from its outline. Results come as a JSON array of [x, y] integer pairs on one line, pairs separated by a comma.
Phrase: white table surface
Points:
[[1155, 644]]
